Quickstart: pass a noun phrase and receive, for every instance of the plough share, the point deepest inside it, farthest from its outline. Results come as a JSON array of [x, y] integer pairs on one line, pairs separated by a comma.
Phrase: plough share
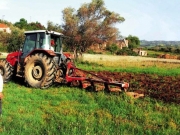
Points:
[[95, 82]]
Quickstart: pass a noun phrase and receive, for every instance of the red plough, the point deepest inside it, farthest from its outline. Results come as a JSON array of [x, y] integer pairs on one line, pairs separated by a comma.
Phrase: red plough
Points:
[[88, 80]]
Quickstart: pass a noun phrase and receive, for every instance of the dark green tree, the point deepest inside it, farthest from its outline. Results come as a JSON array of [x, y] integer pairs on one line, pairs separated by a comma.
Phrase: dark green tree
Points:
[[126, 51], [133, 42], [112, 48], [22, 24]]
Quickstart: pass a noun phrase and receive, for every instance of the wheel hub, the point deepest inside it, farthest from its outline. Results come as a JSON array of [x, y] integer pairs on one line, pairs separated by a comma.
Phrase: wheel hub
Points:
[[59, 76], [37, 72]]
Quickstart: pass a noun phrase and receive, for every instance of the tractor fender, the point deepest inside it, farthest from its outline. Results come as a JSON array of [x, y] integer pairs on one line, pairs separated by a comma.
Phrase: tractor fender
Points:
[[47, 52]]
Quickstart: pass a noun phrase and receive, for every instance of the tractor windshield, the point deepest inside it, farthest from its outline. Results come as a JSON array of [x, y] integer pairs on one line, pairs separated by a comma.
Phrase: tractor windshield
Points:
[[34, 41], [30, 42]]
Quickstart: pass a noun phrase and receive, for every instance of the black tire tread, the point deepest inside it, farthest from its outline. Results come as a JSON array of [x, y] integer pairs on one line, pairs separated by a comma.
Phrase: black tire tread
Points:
[[8, 70], [49, 71]]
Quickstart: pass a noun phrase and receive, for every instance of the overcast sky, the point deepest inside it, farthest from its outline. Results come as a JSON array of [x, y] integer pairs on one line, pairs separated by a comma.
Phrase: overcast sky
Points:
[[146, 19]]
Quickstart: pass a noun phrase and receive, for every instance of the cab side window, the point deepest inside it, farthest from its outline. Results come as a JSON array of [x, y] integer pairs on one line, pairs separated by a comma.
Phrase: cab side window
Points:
[[41, 40]]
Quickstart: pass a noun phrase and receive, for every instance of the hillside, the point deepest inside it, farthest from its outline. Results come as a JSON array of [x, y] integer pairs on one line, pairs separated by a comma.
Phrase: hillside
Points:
[[159, 42]]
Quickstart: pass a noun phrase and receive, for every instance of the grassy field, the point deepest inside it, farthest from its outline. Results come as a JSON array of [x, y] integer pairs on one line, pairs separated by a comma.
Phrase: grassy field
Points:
[[3, 55], [127, 61], [134, 64], [67, 110]]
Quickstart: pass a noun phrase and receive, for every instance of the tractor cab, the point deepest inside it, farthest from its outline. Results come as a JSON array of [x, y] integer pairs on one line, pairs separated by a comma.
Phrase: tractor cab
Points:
[[43, 40]]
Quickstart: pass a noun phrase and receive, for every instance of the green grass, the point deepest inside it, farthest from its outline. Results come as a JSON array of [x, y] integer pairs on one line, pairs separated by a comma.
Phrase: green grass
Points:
[[66, 110], [153, 69], [155, 53]]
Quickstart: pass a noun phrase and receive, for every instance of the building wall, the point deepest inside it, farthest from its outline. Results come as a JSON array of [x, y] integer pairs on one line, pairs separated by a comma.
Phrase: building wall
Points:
[[140, 52], [4, 28], [122, 43], [119, 43], [143, 53]]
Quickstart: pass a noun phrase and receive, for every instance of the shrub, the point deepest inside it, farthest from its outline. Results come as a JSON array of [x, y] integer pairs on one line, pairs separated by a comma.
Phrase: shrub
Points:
[[126, 51], [112, 48], [91, 51]]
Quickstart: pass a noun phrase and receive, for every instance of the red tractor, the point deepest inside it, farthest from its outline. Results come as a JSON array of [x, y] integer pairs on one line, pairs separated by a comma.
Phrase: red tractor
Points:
[[41, 62]]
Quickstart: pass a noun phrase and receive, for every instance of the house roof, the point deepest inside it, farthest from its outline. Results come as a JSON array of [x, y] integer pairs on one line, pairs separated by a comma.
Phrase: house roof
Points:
[[2, 25]]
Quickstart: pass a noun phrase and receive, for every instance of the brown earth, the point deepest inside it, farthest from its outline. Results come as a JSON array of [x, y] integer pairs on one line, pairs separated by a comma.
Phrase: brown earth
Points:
[[166, 88]]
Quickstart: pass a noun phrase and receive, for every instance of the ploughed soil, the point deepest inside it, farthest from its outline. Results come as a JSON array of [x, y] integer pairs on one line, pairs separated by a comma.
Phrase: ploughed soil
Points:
[[166, 88]]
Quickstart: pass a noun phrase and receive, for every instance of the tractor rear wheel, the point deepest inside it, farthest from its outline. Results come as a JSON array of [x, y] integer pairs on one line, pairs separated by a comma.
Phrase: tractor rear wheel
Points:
[[6, 70], [40, 71]]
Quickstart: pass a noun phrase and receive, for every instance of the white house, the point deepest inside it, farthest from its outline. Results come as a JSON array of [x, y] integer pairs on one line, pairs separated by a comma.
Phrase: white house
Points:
[[5, 28]]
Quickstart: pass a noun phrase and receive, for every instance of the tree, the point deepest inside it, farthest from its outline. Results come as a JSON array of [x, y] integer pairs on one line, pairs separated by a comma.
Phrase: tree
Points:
[[177, 50], [91, 23], [11, 41], [22, 24], [35, 26], [126, 51], [3, 40], [133, 42], [15, 40], [112, 48], [53, 27]]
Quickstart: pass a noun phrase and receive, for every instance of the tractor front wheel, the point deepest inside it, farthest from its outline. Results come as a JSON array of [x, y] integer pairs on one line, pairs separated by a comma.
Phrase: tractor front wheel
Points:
[[6, 70], [40, 71]]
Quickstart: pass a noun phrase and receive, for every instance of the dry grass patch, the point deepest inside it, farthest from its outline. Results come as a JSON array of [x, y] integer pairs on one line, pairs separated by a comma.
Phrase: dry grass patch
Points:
[[131, 61]]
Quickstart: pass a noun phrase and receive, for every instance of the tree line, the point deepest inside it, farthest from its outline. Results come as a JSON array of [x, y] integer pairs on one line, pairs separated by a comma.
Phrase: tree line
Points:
[[146, 43], [161, 46]]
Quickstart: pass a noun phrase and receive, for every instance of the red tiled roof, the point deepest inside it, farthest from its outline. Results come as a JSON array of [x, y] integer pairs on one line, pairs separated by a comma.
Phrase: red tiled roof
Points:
[[3, 25]]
